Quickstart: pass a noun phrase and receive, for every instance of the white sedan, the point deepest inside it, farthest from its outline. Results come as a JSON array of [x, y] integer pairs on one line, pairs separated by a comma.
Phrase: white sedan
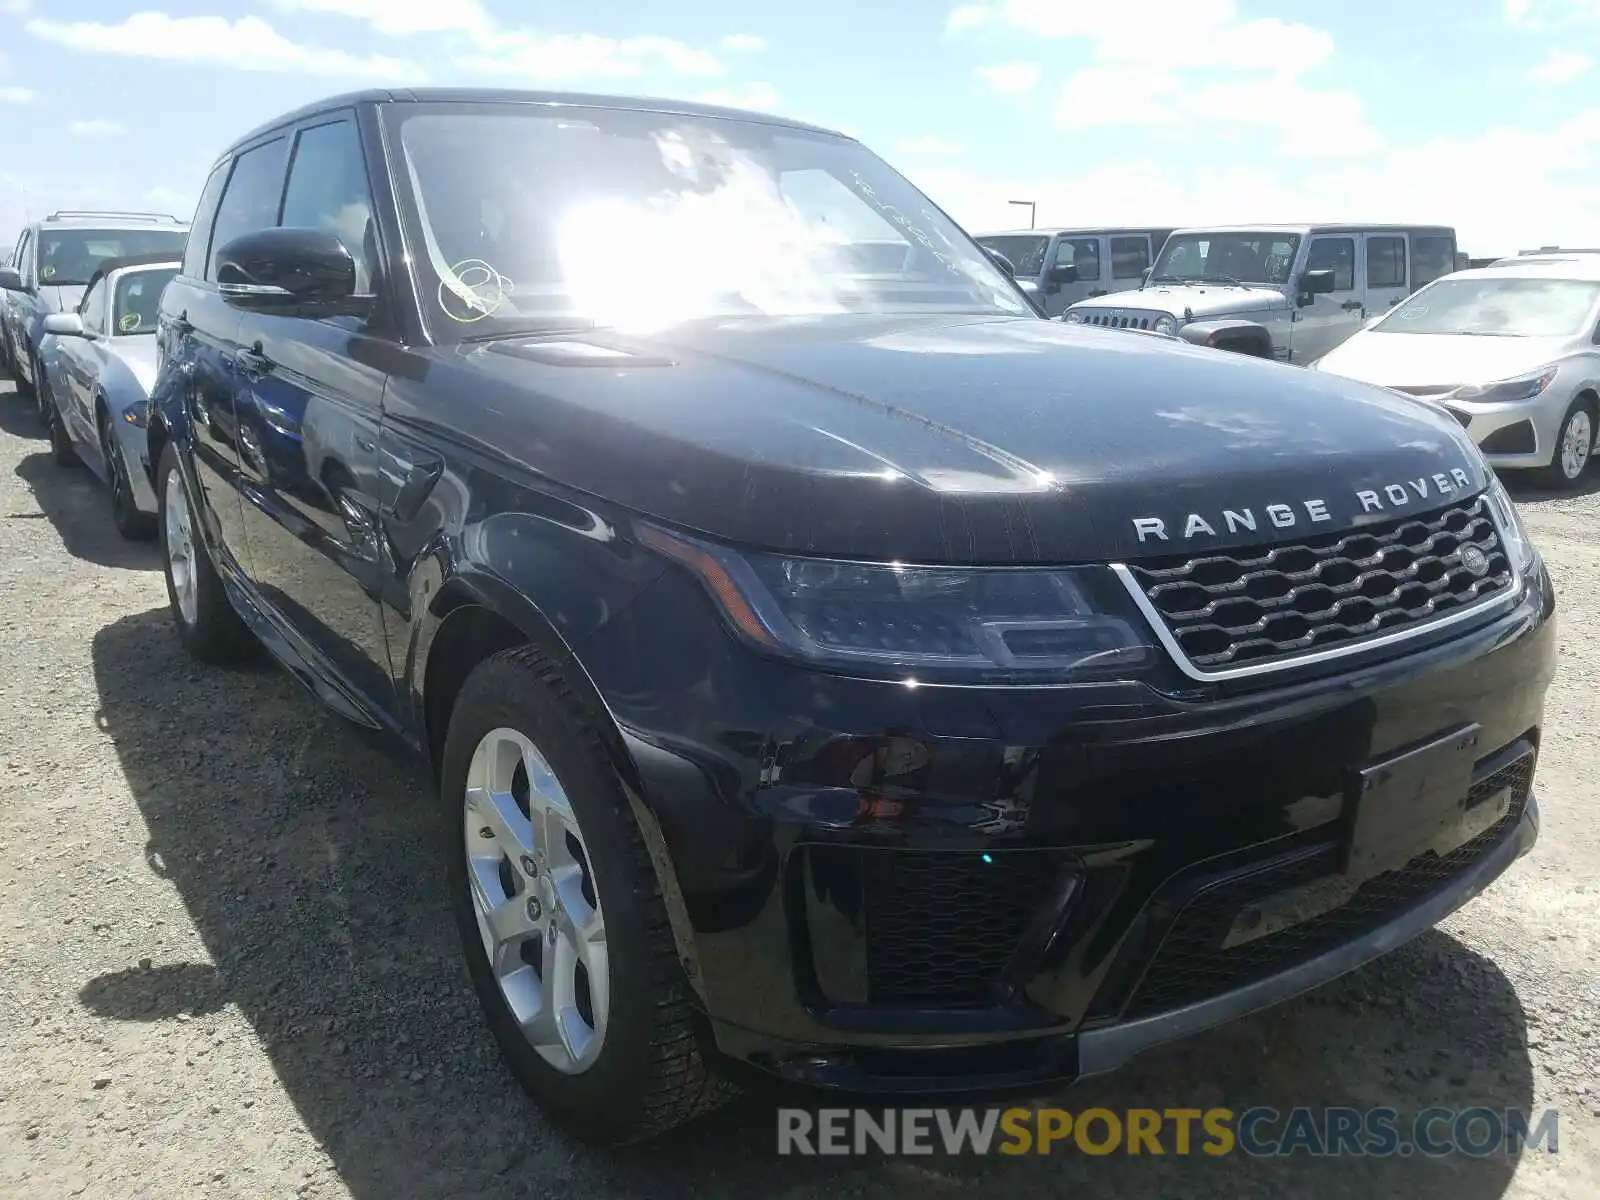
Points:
[[1510, 350]]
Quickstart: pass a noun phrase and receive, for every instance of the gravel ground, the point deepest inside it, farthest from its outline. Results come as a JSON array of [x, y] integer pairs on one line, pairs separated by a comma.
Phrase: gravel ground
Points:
[[229, 969]]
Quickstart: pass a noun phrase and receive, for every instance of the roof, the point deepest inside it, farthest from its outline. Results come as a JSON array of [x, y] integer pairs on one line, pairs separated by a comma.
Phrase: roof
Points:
[[1578, 266], [479, 95], [1310, 227], [133, 260], [87, 219], [1069, 230]]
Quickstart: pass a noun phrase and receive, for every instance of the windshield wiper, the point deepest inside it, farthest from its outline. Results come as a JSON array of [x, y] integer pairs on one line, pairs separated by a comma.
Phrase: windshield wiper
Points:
[[1177, 279], [1219, 277], [553, 328]]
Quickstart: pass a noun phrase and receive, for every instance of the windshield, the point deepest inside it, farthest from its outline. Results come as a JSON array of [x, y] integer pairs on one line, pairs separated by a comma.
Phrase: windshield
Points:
[[138, 299], [1227, 257], [1024, 251], [69, 257], [1498, 307], [524, 218]]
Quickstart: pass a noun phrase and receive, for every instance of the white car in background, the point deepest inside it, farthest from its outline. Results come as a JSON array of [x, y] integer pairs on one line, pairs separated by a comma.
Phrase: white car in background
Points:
[[1513, 351]]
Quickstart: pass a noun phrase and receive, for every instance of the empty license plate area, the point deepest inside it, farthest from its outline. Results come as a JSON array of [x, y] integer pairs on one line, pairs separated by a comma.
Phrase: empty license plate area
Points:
[[1413, 802]]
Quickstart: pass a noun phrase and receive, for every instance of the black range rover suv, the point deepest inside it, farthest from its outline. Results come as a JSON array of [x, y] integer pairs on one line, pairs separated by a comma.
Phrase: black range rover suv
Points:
[[830, 669]]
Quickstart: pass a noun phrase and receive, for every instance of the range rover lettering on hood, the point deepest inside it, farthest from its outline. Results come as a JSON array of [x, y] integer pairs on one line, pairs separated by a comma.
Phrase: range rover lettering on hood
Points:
[[1312, 511]]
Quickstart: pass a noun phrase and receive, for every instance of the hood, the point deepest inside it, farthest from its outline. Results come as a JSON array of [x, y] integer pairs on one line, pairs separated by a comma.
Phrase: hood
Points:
[[1190, 301], [1435, 360], [59, 299], [137, 354], [993, 440]]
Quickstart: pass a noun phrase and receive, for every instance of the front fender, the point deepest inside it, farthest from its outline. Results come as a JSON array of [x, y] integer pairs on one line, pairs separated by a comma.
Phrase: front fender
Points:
[[1233, 333]]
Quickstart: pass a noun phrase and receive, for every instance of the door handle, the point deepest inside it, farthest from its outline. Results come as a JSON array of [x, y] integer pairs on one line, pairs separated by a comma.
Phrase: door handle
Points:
[[181, 324], [412, 477], [1351, 305], [252, 363]]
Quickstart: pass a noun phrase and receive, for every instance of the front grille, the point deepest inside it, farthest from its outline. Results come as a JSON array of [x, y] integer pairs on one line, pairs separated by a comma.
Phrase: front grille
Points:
[[941, 925], [1112, 319], [1193, 963], [1256, 605], [1513, 439]]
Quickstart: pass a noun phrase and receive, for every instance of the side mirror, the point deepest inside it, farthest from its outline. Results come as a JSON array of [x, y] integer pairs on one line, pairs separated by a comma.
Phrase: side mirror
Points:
[[292, 272], [65, 324], [1316, 283], [11, 280], [1001, 261], [1064, 273]]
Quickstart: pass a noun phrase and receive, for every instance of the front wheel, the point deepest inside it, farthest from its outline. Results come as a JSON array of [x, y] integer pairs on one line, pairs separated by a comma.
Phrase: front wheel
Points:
[[130, 522], [560, 912], [62, 450], [1574, 446], [211, 630]]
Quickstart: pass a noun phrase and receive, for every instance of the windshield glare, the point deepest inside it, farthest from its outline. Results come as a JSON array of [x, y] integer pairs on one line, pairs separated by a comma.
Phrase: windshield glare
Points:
[[1498, 308], [138, 300], [640, 219], [1024, 251], [69, 257], [1246, 257]]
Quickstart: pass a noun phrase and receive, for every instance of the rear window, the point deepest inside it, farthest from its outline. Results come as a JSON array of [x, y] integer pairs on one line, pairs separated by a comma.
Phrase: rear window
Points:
[[1432, 256]]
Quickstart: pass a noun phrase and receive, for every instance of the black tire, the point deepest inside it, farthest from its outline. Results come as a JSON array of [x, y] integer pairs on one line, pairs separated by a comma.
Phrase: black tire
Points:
[[650, 1074], [132, 524], [62, 450], [1556, 476], [216, 634], [24, 389]]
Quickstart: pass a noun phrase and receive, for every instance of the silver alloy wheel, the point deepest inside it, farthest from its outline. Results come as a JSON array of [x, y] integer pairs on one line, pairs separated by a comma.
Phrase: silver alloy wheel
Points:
[[1576, 444], [180, 548], [534, 895]]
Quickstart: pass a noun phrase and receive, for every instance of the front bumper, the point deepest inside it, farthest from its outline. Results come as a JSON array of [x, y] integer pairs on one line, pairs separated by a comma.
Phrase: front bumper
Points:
[[958, 890], [1519, 435]]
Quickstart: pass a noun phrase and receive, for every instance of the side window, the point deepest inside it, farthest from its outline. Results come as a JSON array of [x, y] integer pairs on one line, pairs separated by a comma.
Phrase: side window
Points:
[[328, 189], [250, 201], [93, 309], [194, 250], [1432, 255], [1386, 261], [1083, 253], [1129, 257], [1337, 254], [21, 256]]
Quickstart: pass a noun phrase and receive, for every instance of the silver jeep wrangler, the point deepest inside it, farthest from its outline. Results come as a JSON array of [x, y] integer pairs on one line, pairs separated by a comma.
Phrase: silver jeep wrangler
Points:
[[1290, 292]]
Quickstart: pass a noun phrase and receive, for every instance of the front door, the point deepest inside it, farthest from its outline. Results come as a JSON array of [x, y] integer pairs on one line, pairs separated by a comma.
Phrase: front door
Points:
[[309, 405], [1330, 318], [1082, 253]]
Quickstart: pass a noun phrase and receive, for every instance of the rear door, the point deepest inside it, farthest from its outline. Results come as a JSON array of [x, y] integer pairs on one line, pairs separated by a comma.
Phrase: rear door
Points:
[[309, 401], [1385, 273], [1130, 255], [78, 364], [204, 332]]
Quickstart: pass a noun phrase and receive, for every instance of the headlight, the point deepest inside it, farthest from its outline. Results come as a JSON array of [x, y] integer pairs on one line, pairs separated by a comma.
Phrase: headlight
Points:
[[1167, 325], [1519, 546], [1523, 387], [137, 414], [975, 624], [1073, 318]]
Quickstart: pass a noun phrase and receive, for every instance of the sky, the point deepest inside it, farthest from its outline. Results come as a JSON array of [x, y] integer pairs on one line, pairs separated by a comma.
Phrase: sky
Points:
[[1483, 114]]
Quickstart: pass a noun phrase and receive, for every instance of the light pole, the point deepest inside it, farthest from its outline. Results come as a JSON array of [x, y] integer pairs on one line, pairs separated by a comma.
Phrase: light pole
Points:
[[1031, 207]]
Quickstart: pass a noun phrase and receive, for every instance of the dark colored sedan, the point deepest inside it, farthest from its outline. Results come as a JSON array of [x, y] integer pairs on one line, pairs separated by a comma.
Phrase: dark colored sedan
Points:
[[915, 694]]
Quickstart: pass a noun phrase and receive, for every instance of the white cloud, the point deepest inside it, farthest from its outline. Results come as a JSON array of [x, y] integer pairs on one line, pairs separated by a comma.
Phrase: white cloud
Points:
[[1551, 14], [177, 202], [968, 16], [743, 43], [401, 17], [760, 96], [17, 95], [1553, 197], [16, 8], [564, 57], [1561, 66], [96, 128], [1010, 79], [248, 44], [929, 146]]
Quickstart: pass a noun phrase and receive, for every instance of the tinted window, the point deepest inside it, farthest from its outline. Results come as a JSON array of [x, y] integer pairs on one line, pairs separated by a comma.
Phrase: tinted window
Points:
[[250, 201], [70, 257], [1024, 251], [327, 189], [1129, 257], [93, 308], [1336, 254], [194, 254], [1083, 253], [137, 301], [1248, 257], [1432, 255], [1386, 262]]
